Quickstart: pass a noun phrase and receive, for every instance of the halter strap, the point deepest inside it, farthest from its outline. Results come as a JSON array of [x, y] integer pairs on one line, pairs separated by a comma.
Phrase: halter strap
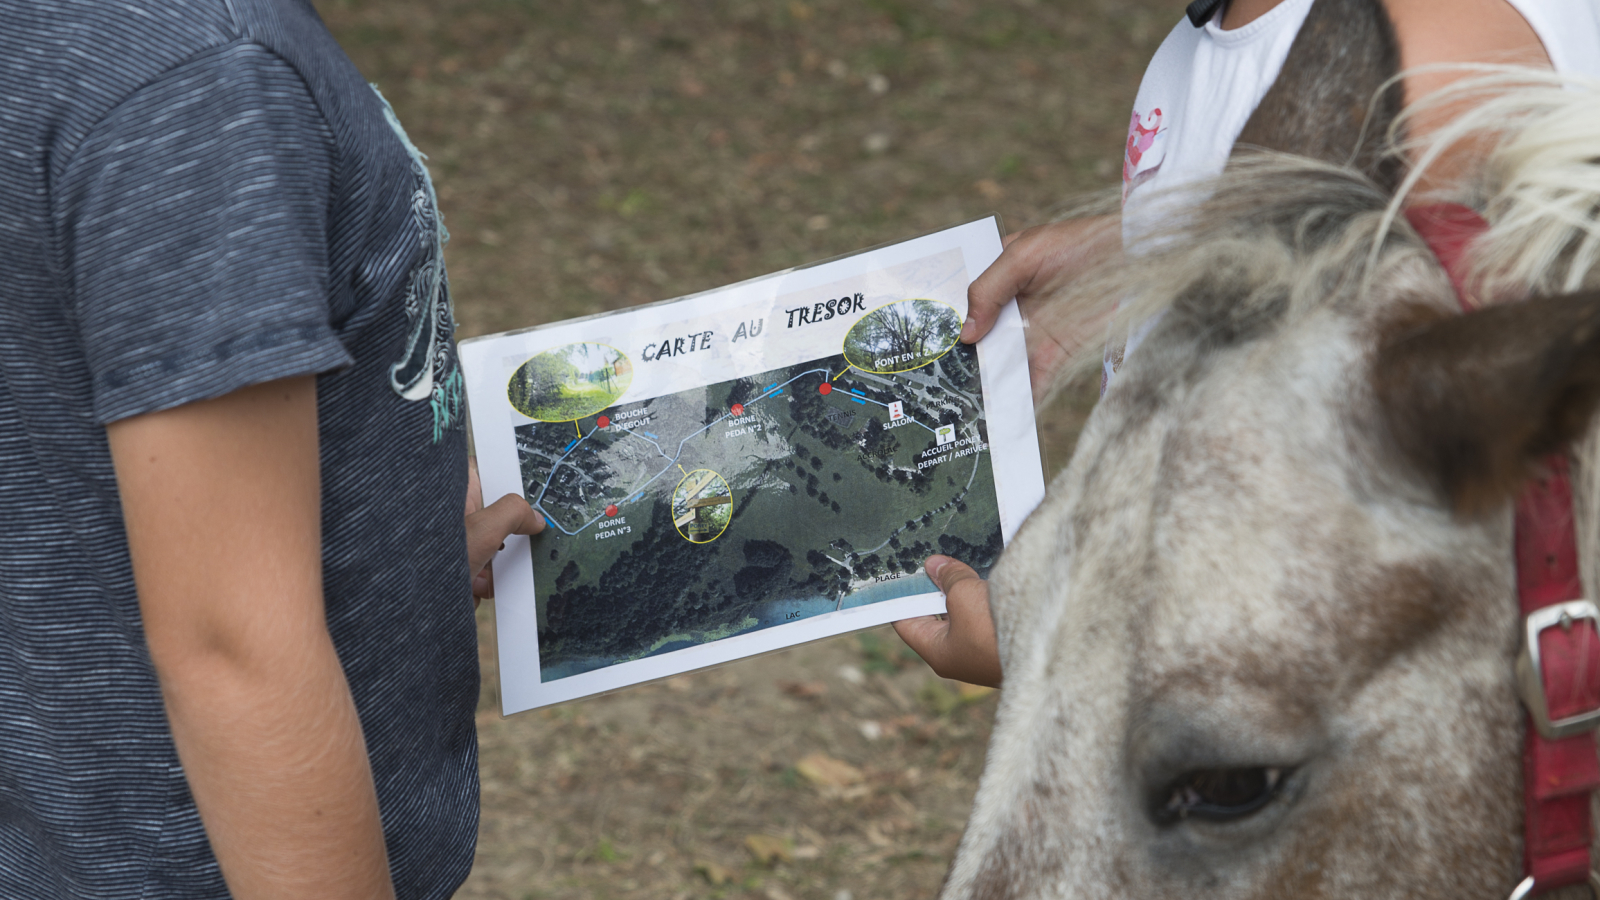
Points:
[[1558, 670]]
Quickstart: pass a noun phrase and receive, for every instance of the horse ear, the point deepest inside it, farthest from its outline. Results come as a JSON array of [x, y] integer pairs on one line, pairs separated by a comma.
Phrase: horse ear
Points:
[[1475, 400]]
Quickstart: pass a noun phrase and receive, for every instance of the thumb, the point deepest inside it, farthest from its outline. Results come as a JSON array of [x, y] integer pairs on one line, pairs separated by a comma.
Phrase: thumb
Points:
[[948, 573], [487, 529]]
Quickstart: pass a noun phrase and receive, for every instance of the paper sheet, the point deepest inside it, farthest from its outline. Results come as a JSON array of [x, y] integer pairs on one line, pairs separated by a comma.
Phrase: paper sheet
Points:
[[749, 468]]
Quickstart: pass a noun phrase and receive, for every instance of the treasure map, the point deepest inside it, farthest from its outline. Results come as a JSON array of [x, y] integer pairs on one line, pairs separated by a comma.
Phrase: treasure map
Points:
[[750, 468]]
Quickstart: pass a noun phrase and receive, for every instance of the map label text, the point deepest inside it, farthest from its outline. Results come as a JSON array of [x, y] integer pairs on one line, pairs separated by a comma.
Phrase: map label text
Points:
[[676, 346], [822, 312], [752, 331]]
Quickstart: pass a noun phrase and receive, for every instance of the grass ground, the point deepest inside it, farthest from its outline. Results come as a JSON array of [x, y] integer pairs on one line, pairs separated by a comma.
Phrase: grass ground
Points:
[[593, 154]]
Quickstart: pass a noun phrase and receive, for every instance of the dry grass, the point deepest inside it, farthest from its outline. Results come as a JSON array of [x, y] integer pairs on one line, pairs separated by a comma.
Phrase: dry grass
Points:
[[592, 155]]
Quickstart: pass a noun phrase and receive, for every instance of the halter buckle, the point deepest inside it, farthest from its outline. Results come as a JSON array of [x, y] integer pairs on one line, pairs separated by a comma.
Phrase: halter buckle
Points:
[[1530, 670]]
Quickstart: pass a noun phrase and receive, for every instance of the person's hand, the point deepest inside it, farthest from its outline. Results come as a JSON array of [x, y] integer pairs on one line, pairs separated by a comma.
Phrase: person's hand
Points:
[[489, 526], [1035, 265], [960, 644]]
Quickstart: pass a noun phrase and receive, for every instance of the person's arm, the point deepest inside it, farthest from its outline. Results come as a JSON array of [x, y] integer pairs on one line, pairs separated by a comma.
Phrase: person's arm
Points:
[[221, 500], [1435, 35]]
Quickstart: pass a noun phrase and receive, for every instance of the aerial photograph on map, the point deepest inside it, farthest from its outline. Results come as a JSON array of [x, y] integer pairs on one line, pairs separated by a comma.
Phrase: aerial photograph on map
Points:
[[569, 383], [695, 516]]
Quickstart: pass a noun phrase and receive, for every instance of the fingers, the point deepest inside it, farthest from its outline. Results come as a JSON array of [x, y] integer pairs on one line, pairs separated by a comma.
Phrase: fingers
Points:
[[961, 646], [1004, 279], [488, 528], [474, 487], [925, 636], [1035, 263]]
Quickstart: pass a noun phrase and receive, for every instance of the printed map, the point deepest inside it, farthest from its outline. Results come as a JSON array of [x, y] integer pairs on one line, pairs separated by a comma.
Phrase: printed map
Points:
[[741, 505]]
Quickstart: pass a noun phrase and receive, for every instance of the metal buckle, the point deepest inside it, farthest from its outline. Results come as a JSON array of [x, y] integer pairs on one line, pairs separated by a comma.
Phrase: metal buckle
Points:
[[1530, 674]]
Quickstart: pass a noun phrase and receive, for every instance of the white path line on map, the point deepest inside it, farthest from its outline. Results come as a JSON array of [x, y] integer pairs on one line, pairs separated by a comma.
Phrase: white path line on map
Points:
[[670, 463], [884, 405], [964, 491]]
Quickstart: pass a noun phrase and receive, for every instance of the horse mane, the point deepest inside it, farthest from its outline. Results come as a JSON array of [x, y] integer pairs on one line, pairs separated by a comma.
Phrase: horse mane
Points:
[[1539, 188], [1273, 238], [1277, 236]]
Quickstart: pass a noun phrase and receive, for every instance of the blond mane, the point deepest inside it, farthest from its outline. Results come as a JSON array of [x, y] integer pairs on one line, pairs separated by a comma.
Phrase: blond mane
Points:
[[1276, 236]]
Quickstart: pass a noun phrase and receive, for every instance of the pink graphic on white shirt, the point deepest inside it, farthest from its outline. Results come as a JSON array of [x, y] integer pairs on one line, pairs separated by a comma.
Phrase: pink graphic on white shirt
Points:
[[1142, 134]]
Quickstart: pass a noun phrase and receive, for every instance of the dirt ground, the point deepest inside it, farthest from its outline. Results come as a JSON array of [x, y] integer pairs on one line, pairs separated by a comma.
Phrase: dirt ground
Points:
[[594, 154]]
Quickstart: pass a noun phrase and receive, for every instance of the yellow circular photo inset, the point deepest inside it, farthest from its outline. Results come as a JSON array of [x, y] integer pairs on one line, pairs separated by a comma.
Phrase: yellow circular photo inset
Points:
[[901, 336], [702, 505], [570, 383]]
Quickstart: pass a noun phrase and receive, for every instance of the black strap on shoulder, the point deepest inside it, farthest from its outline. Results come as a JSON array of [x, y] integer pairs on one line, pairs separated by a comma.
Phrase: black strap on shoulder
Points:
[[1201, 11]]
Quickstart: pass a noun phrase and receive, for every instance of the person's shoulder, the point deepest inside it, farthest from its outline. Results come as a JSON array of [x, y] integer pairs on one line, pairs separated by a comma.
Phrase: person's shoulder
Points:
[[71, 62], [88, 36]]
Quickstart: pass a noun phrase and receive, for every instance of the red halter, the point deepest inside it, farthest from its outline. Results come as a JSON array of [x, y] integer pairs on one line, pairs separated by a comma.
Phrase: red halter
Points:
[[1558, 670]]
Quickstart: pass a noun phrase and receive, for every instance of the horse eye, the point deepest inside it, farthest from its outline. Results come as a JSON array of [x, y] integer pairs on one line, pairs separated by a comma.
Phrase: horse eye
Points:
[[1217, 795]]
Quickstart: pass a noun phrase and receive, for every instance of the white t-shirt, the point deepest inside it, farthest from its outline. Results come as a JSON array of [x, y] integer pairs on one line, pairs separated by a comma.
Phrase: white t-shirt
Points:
[[1198, 92], [1203, 84]]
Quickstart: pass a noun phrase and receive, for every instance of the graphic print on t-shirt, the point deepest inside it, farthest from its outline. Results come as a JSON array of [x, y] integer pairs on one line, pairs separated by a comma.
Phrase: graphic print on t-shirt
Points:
[[1138, 163], [428, 369]]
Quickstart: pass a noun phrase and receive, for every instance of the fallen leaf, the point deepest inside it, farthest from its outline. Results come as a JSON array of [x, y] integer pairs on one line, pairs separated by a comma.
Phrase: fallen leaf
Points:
[[768, 850], [776, 892], [717, 875], [972, 693], [877, 837], [691, 86], [805, 690], [807, 852], [825, 771], [905, 807], [990, 189]]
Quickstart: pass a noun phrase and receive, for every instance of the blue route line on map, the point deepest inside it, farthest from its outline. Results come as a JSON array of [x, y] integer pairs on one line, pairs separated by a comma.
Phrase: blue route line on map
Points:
[[772, 390]]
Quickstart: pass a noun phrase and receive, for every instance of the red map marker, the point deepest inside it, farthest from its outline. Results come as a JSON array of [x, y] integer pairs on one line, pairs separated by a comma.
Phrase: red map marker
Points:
[[738, 409], [603, 421], [611, 510], [825, 389]]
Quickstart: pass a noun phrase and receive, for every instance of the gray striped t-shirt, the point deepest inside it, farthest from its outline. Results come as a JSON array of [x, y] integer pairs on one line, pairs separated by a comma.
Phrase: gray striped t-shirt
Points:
[[195, 196]]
